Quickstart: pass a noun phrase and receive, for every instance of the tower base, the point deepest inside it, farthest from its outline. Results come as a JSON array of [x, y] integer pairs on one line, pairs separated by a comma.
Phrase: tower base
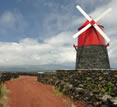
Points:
[[92, 57]]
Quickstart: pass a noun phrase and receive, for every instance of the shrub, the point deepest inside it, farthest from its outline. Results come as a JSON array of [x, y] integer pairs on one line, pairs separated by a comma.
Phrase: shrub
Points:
[[3, 95]]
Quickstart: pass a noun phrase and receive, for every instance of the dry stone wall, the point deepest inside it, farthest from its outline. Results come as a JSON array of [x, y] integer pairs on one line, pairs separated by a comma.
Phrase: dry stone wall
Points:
[[27, 73], [96, 87], [5, 76], [47, 77], [92, 57]]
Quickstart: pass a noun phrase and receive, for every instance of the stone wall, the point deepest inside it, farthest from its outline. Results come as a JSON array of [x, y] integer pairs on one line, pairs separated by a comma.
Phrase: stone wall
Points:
[[27, 73], [47, 77], [92, 57], [96, 87], [4, 76]]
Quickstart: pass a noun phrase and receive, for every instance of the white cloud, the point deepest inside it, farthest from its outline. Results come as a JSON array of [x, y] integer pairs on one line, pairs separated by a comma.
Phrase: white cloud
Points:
[[61, 39], [7, 21], [62, 18], [69, 20], [30, 51], [12, 21], [56, 48], [7, 18]]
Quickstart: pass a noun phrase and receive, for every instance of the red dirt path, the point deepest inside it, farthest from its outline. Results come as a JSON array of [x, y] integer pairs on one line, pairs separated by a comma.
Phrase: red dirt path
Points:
[[27, 92]]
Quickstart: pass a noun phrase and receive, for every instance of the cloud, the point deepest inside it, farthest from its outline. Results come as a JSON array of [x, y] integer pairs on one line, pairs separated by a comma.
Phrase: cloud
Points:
[[61, 39], [7, 19], [30, 51], [12, 21], [58, 26], [61, 18], [68, 21], [65, 16]]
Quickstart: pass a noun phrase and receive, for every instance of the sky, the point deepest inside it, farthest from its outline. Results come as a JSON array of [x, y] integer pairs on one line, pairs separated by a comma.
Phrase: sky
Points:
[[37, 32]]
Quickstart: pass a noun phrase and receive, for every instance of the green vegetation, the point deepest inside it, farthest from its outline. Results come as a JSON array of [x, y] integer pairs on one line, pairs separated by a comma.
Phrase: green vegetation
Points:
[[69, 102], [105, 88], [88, 82], [67, 99], [58, 92], [3, 95], [110, 88]]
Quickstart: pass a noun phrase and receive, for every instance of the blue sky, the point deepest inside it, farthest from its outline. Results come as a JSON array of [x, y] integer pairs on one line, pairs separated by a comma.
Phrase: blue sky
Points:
[[40, 31]]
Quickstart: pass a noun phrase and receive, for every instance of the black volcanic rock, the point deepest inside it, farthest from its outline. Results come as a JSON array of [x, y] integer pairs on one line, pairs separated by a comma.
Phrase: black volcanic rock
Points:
[[92, 57]]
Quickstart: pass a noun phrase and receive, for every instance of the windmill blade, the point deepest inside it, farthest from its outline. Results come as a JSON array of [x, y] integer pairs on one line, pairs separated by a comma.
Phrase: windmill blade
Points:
[[82, 30], [84, 13], [101, 32], [102, 15]]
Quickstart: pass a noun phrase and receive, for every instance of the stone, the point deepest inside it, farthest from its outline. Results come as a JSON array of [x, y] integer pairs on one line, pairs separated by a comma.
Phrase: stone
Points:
[[115, 76], [105, 98], [89, 85], [4, 76], [100, 78], [81, 85], [80, 90], [70, 86], [92, 57], [97, 104], [114, 100]]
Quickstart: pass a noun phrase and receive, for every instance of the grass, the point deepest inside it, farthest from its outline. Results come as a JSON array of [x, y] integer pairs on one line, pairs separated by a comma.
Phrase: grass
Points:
[[69, 102], [3, 95], [66, 99], [58, 92]]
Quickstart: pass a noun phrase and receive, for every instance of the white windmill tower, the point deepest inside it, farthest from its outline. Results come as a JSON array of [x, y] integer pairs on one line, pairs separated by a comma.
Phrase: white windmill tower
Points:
[[92, 44]]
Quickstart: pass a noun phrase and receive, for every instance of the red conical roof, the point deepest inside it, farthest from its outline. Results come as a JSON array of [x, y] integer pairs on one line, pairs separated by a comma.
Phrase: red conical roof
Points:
[[91, 36], [86, 23]]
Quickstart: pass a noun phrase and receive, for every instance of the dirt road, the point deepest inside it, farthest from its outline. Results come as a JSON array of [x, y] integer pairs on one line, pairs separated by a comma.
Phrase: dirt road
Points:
[[27, 92]]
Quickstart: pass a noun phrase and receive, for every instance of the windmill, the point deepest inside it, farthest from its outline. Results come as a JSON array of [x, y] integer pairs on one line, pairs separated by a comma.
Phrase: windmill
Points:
[[91, 50]]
